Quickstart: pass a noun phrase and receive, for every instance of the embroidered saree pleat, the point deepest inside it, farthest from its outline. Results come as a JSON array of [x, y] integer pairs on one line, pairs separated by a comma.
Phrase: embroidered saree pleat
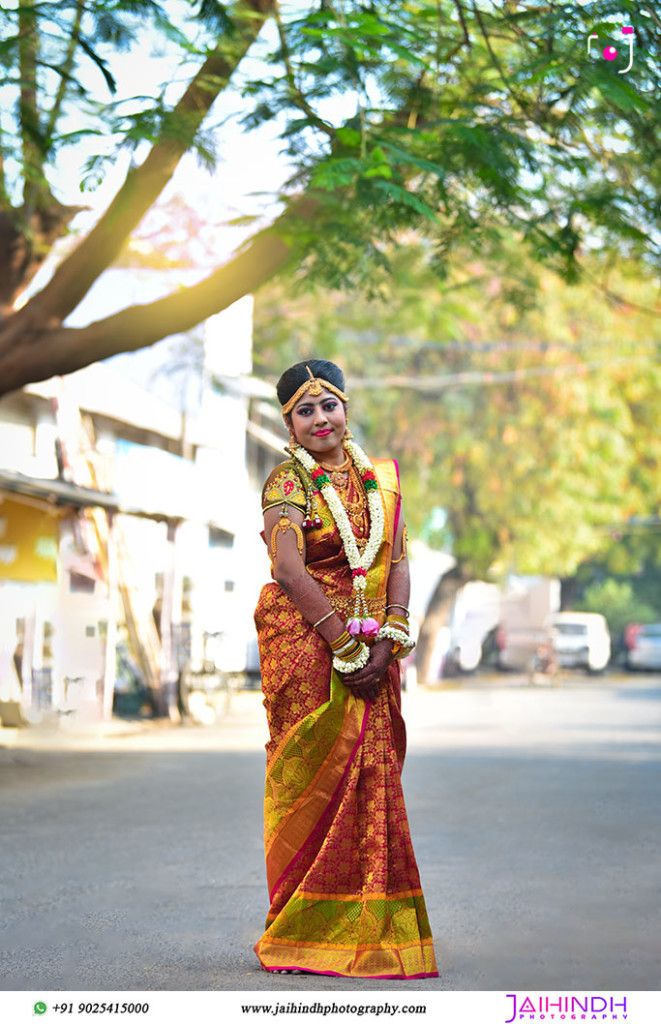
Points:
[[343, 882]]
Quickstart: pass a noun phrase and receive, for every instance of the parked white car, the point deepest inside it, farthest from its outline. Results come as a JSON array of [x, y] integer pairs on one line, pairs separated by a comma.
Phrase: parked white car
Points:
[[581, 640]]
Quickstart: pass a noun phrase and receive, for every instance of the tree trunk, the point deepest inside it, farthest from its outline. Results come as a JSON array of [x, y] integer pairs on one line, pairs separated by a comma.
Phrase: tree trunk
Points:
[[436, 616], [25, 241]]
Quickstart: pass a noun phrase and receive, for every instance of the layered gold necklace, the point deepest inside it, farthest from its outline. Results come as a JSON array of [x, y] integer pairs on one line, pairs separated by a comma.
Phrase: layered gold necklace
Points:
[[339, 475]]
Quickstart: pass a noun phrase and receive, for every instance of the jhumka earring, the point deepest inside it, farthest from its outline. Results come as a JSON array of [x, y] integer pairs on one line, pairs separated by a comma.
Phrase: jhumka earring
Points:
[[292, 436], [347, 436]]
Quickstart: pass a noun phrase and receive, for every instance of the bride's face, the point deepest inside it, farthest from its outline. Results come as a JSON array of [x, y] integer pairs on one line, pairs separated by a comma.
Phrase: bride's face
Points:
[[319, 424]]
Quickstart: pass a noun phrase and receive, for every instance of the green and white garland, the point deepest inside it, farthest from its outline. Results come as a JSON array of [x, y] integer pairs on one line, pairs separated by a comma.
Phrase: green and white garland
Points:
[[359, 564]]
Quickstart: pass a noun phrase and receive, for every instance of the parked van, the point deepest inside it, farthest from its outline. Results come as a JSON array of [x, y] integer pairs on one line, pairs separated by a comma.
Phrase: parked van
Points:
[[581, 640], [514, 648]]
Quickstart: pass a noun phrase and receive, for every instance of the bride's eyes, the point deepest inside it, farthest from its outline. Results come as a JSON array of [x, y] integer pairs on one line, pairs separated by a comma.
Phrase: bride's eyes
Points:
[[308, 409]]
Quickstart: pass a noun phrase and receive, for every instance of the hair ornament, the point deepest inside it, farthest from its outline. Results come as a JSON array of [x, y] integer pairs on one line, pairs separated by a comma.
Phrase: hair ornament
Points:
[[314, 386]]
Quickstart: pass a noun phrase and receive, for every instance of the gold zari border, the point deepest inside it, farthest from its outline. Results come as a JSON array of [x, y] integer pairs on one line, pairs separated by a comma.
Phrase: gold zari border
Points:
[[369, 961]]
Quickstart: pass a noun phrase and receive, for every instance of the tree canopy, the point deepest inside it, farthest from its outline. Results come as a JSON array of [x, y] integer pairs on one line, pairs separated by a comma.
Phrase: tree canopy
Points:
[[515, 404], [459, 122], [520, 409]]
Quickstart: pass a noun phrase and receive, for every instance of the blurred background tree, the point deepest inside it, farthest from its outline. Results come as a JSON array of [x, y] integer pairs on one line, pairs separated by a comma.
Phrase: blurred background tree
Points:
[[521, 409], [472, 125], [619, 603]]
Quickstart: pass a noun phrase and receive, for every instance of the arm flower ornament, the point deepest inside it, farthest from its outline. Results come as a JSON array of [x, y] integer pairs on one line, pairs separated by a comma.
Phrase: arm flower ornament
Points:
[[396, 629], [359, 564], [402, 643]]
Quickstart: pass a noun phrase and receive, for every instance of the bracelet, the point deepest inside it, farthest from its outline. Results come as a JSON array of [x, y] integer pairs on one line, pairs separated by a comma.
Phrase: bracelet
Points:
[[400, 606], [398, 621], [348, 652], [354, 664], [341, 641], [331, 612]]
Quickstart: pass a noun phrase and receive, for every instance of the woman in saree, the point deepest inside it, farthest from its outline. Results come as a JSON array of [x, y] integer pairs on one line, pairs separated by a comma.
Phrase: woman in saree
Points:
[[343, 882]]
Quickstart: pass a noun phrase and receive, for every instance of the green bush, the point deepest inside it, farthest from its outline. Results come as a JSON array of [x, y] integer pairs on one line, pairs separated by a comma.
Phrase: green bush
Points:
[[619, 604]]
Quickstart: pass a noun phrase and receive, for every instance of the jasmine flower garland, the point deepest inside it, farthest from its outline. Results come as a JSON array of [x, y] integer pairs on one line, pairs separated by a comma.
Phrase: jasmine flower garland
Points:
[[398, 636], [359, 564], [361, 659]]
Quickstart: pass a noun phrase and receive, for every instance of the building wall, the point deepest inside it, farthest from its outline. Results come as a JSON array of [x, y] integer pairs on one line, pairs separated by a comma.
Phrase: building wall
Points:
[[188, 463]]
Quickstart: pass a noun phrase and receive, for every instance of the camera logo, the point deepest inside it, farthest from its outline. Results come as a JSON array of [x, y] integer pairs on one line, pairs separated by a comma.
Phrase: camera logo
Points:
[[610, 52]]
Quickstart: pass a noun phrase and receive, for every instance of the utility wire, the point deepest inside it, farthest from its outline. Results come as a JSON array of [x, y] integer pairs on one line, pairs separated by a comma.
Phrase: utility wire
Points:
[[467, 378]]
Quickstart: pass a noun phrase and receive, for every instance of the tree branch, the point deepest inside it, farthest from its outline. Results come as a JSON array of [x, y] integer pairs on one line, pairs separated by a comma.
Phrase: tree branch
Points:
[[29, 354], [65, 72], [462, 19], [294, 89], [496, 62], [4, 198], [28, 109], [75, 276]]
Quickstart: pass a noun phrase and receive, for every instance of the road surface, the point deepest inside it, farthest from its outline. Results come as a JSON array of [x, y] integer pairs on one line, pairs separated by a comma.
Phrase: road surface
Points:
[[134, 862]]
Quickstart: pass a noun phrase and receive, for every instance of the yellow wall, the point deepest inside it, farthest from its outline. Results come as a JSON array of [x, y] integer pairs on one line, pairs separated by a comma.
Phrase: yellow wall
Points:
[[28, 542]]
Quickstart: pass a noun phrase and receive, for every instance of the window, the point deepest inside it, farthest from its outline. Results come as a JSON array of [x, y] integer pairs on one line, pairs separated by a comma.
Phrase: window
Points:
[[79, 584], [220, 538]]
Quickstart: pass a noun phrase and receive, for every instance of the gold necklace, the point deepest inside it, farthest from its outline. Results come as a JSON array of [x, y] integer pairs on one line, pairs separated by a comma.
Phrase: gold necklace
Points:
[[338, 474], [336, 469]]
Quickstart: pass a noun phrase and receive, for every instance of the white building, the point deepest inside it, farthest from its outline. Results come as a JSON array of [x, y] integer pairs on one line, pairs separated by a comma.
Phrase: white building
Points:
[[121, 513]]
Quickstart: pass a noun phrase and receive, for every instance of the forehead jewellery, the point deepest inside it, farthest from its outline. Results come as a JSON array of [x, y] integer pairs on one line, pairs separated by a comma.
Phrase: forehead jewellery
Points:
[[314, 386]]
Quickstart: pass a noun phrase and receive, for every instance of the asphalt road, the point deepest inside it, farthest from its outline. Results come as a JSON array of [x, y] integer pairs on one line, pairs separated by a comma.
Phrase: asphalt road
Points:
[[134, 862]]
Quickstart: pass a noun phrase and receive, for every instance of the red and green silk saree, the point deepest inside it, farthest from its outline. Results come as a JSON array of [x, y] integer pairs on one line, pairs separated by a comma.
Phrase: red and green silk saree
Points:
[[342, 877]]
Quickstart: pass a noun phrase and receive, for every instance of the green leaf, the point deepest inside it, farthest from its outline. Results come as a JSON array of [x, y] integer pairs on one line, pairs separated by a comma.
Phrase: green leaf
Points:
[[412, 160], [349, 137], [100, 63], [406, 198], [621, 93]]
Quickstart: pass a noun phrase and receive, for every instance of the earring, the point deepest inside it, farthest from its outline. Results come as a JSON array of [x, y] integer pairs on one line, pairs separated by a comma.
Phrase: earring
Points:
[[348, 436], [292, 436]]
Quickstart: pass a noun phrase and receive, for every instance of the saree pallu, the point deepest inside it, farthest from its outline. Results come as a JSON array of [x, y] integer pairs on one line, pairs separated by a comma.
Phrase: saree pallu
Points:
[[342, 877]]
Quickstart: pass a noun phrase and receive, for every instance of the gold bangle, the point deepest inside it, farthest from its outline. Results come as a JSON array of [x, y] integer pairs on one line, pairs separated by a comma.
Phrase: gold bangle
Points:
[[327, 616]]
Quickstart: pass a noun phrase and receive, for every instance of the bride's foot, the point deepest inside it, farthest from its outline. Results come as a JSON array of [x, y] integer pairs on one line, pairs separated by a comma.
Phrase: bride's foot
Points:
[[290, 970]]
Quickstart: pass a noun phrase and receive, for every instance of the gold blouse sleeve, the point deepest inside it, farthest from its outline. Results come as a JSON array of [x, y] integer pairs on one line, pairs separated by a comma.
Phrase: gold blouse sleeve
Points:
[[283, 487]]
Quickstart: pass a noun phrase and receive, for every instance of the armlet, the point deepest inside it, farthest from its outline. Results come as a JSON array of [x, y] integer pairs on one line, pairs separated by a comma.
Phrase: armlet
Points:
[[283, 525], [404, 539]]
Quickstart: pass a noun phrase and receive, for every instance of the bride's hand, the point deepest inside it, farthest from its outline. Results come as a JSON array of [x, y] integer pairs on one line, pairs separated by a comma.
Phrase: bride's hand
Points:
[[365, 682]]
